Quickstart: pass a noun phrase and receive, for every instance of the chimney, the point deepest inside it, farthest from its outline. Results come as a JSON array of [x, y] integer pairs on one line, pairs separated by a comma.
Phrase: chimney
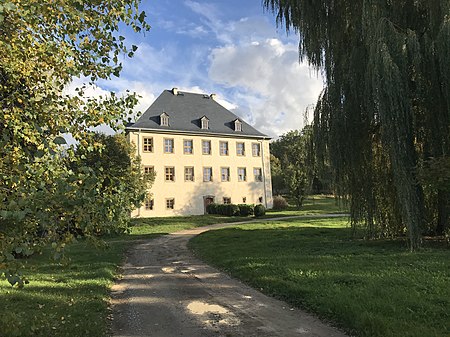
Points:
[[213, 97], [175, 91]]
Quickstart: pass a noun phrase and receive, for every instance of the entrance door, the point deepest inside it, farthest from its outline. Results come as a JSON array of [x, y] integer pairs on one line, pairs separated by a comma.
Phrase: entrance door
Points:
[[207, 199]]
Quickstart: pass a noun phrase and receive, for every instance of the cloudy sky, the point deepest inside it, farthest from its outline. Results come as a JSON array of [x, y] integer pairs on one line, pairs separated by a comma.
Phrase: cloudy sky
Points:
[[222, 47]]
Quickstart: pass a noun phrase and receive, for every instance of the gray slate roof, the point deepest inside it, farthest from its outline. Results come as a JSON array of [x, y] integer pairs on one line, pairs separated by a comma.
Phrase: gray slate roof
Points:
[[185, 111]]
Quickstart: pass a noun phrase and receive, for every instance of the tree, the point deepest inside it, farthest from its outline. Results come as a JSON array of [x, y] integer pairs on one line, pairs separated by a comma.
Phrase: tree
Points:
[[292, 152], [119, 185], [385, 109], [44, 46], [276, 172]]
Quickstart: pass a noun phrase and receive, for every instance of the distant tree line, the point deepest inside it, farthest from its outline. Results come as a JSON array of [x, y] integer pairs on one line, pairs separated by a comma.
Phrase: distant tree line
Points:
[[295, 171]]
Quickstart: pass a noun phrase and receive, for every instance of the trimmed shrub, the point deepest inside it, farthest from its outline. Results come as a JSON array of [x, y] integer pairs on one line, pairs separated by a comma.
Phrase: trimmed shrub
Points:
[[231, 210], [260, 210], [245, 210], [212, 208], [221, 209], [279, 203]]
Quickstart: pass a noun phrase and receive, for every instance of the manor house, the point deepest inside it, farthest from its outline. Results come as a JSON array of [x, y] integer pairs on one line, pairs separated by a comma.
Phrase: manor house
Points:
[[201, 153]]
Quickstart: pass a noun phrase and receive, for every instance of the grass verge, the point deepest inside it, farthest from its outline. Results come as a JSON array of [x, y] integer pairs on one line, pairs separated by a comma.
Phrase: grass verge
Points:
[[372, 288], [317, 204], [72, 300]]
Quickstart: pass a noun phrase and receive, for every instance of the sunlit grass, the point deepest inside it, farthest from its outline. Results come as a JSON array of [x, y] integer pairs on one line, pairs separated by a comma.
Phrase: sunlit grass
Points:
[[315, 204], [62, 300], [72, 300], [374, 288]]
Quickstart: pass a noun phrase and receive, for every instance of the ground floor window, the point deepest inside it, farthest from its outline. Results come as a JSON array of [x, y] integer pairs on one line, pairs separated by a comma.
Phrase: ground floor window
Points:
[[170, 203], [226, 200], [149, 204]]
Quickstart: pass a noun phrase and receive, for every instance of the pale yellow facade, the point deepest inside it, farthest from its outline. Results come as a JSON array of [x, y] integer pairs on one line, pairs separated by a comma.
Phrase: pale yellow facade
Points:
[[236, 178]]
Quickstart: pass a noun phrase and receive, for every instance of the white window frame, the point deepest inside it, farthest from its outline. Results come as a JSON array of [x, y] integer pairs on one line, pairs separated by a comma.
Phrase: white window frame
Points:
[[258, 177], [149, 204], [237, 125], [169, 173], [149, 169], [164, 119], [224, 150], [188, 149], [166, 145], [210, 175], [243, 149], [189, 176], [170, 203], [205, 123], [147, 144], [227, 176], [204, 141], [240, 176], [257, 147]]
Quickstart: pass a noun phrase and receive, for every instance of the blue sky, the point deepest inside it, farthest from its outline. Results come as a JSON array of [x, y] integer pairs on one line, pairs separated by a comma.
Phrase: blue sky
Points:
[[231, 48]]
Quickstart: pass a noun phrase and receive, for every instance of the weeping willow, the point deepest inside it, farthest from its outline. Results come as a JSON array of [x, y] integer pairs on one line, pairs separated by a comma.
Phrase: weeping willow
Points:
[[384, 112]]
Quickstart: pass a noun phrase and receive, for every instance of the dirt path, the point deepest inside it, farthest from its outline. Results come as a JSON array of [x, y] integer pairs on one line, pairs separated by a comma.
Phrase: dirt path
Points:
[[166, 292]]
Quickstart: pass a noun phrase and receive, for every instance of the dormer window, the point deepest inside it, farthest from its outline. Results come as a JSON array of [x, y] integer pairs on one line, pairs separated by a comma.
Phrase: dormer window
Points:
[[205, 123], [164, 119], [237, 125]]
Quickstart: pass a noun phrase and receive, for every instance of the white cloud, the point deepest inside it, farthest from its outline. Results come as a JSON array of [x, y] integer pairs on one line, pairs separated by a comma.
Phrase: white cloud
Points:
[[267, 82]]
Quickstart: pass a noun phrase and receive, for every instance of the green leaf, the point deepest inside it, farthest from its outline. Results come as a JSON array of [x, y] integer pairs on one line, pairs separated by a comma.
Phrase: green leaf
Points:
[[59, 141]]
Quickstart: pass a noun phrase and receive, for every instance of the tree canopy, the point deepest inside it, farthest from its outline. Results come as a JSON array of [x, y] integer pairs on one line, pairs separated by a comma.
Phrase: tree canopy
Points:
[[44, 46], [384, 115], [294, 167]]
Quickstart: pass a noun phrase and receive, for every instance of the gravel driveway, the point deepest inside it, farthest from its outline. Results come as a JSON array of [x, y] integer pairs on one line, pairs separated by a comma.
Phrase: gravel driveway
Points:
[[166, 292]]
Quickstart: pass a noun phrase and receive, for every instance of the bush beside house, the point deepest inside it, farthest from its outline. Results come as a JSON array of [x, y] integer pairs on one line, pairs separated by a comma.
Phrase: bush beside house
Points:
[[231, 209]]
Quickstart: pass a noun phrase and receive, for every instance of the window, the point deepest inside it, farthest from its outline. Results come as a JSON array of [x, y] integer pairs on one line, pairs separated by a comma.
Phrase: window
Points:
[[207, 174], [260, 199], [169, 173], [242, 174], [226, 200], [164, 119], [225, 173], [206, 146], [188, 174], [205, 123], [170, 203], [240, 149], [244, 199], [149, 170], [168, 145], [256, 149], [148, 204], [188, 146], [257, 173], [237, 125], [148, 144], [223, 148]]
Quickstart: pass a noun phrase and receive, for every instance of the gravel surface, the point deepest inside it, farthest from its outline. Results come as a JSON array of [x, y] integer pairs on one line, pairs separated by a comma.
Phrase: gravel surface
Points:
[[166, 292]]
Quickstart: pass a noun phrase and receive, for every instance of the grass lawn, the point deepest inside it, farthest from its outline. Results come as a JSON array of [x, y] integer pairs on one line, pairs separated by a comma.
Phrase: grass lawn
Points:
[[317, 204], [72, 300], [372, 288]]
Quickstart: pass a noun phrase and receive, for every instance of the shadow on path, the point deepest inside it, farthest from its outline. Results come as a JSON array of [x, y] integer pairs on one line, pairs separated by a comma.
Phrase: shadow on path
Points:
[[166, 292]]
